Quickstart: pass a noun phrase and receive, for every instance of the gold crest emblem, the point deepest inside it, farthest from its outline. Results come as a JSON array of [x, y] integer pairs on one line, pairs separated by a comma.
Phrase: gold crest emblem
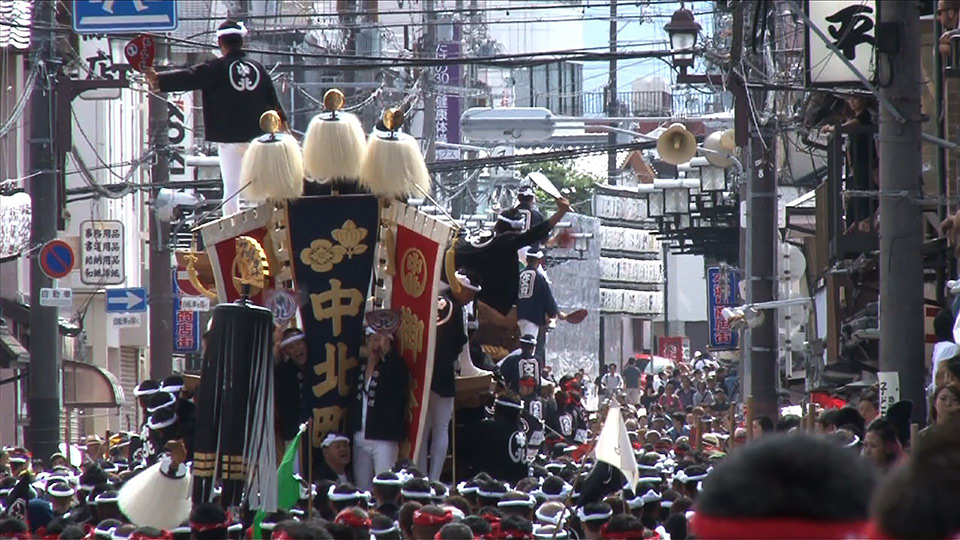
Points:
[[413, 272]]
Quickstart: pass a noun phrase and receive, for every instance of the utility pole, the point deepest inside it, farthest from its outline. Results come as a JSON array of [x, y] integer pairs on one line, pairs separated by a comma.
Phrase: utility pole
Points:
[[612, 111], [760, 343], [161, 279], [429, 132], [901, 229], [44, 374]]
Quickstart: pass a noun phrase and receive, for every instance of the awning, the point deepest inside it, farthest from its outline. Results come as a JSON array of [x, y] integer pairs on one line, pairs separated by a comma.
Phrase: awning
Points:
[[87, 386], [12, 354], [801, 215]]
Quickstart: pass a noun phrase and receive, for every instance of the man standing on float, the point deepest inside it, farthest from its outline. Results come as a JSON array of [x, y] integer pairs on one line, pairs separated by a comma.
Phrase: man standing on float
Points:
[[236, 91]]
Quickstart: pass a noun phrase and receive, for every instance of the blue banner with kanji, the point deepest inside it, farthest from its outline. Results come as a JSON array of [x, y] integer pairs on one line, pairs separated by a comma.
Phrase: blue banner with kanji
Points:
[[332, 245], [722, 287]]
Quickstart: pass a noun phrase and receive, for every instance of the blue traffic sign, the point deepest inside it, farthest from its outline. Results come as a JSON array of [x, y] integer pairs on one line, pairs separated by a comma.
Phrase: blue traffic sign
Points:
[[123, 16], [126, 300]]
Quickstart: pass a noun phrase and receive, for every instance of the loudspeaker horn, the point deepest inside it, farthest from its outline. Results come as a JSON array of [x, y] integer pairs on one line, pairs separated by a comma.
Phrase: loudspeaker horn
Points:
[[676, 145], [720, 142]]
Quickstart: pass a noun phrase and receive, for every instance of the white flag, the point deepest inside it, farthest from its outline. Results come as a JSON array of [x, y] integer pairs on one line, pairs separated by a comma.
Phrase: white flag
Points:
[[613, 447]]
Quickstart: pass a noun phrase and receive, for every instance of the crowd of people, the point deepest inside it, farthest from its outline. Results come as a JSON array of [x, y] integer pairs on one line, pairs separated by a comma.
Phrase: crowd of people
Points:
[[703, 472]]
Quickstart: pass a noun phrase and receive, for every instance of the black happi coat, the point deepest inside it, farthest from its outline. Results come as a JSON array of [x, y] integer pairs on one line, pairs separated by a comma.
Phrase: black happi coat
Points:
[[386, 400], [288, 381], [451, 337], [515, 367], [495, 259], [496, 446], [236, 90], [533, 418]]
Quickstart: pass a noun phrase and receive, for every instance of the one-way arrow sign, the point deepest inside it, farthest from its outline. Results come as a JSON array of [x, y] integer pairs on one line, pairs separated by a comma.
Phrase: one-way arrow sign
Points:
[[126, 300]]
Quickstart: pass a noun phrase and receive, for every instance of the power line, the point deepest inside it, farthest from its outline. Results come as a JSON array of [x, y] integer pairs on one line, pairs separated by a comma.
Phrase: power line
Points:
[[506, 9]]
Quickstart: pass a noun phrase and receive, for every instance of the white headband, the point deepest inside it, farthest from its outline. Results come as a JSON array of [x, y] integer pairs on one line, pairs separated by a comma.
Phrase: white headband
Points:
[[331, 495], [104, 498], [387, 481], [529, 502], [241, 31], [55, 492], [564, 492], [393, 528], [543, 532], [490, 494], [169, 402], [465, 281], [332, 438], [160, 425], [593, 517], [418, 494], [666, 504], [292, 339], [462, 487], [651, 496], [508, 403], [557, 520]]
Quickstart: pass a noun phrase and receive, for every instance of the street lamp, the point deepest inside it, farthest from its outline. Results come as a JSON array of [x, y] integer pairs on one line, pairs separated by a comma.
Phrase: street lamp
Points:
[[683, 30]]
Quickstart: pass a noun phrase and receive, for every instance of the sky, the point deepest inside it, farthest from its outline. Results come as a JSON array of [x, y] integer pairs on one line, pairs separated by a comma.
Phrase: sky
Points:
[[640, 28]]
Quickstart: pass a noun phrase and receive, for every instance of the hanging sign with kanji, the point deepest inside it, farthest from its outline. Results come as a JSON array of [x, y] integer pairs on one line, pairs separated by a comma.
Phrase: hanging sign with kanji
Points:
[[101, 253], [332, 241]]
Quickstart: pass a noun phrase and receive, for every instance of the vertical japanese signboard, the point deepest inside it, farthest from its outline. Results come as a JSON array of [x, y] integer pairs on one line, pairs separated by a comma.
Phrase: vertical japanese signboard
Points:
[[722, 287], [186, 329], [101, 253], [851, 28], [448, 102]]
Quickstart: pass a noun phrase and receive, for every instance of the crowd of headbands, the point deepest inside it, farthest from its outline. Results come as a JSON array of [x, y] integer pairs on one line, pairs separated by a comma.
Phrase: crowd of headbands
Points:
[[845, 478]]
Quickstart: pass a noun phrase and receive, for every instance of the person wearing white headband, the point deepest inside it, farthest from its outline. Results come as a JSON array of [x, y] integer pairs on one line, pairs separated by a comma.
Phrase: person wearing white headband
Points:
[[236, 90], [289, 375], [335, 466], [377, 413]]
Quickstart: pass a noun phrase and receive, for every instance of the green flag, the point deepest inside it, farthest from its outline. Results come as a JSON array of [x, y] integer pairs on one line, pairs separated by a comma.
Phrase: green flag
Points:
[[288, 487]]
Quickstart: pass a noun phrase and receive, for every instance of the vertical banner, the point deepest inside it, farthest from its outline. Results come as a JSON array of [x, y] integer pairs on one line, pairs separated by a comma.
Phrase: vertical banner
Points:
[[236, 245], [420, 245], [722, 287], [889, 382], [671, 347], [448, 103], [332, 242], [186, 329]]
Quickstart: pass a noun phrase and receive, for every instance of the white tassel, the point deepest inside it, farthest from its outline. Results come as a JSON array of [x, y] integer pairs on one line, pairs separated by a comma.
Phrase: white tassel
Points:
[[272, 169], [394, 167], [151, 499], [333, 148]]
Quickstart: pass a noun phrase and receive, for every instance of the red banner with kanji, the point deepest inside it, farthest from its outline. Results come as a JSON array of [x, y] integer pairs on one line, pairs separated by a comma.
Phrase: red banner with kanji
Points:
[[671, 347], [414, 297]]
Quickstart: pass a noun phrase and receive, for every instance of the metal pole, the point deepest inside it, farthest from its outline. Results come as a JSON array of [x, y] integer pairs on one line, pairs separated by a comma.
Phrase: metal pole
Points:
[[761, 346], [161, 280], [45, 371], [612, 95], [901, 229]]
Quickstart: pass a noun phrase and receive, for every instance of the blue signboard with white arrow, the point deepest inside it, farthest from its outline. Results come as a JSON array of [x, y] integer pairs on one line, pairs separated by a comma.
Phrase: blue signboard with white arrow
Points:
[[126, 300]]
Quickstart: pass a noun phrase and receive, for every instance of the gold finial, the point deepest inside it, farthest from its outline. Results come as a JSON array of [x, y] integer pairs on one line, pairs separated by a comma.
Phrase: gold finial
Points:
[[270, 122], [393, 118], [333, 100]]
